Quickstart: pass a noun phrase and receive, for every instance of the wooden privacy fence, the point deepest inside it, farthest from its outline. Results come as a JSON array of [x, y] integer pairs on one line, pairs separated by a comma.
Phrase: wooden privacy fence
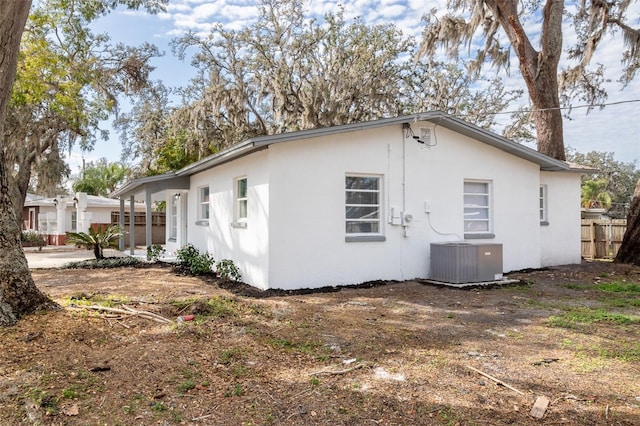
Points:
[[158, 226], [601, 238]]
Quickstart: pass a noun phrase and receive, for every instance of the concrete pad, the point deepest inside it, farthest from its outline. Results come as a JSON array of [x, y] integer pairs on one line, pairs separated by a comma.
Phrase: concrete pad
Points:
[[483, 284]]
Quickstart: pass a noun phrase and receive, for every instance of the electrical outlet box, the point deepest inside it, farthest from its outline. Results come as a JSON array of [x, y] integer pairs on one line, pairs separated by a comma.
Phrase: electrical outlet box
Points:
[[394, 216], [427, 207]]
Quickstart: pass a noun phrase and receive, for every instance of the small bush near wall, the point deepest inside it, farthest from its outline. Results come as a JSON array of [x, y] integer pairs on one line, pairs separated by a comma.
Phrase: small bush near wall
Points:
[[193, 261], [228, 270], [155, 252]]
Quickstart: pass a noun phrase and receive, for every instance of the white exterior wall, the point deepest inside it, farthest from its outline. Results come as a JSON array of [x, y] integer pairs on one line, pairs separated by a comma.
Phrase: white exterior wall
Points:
[[308, 247], [560, 240], [98, 215], [247, 247], [295, 234]]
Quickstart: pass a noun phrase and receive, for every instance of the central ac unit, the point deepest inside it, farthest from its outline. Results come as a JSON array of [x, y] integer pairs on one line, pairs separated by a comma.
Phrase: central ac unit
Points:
[[465, 262]]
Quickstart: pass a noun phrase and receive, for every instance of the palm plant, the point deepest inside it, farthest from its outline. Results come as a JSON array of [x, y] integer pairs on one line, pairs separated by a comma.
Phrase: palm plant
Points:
[[98, 240], [594, 194]]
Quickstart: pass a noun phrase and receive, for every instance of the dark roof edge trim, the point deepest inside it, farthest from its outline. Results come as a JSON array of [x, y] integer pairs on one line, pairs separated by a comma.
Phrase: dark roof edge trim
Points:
[[252, 145], [224, 156], [133, 184]]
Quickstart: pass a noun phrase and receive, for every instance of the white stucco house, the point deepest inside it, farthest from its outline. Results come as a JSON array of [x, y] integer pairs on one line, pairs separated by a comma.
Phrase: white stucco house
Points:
[[365, 201]]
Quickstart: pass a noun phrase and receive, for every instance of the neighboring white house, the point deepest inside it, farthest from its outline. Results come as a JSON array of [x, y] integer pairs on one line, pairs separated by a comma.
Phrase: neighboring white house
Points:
[[54, 217], [360, 202]]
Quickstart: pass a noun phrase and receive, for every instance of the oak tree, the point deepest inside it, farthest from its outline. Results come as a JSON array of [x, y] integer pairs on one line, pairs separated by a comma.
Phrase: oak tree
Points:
[[482, 25], [286, 72], [18, 293], [68, 80]]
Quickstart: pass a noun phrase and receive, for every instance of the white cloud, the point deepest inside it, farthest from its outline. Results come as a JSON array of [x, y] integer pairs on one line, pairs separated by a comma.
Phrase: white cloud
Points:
[[206, 11], [392, 11], [234, 12]]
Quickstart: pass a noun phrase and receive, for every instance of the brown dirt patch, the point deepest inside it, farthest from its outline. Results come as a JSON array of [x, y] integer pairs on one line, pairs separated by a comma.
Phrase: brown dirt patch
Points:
[[389, 354]]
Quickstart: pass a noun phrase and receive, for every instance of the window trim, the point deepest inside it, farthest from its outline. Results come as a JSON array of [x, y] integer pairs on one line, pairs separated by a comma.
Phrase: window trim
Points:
[[544, 205], [365, 236], [202, 203], [240, 221], [173, 219], [488, 233]]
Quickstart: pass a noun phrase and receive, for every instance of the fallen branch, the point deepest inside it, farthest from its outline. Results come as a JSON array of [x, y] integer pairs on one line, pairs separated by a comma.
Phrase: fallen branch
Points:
[[336, 372], [206, 416], [129, 312], [498, 381], [572, 397], [302, 393], [156, 316]]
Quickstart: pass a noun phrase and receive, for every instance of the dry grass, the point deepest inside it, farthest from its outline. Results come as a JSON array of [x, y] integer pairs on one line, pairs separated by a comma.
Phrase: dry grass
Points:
[[393, 354]]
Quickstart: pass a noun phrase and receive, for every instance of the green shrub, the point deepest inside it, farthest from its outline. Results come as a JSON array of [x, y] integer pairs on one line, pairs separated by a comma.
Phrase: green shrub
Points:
[[195, 262], [226, 269], [105, 262], [155, 252], [97, 240], [32, 239]]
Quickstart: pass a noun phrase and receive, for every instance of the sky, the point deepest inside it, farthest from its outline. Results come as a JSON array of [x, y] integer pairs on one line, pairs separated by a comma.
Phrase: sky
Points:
[[616, 128]]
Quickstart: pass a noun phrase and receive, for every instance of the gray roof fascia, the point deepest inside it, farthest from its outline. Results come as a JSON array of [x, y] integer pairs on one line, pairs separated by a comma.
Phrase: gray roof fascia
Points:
[[545, 162], [437, 117], [262, 142], [324, 131], [579, 168], [152, 183], [221, 157]]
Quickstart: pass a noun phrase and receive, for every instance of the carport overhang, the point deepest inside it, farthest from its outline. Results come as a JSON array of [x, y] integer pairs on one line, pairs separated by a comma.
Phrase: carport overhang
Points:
[[149, 189]]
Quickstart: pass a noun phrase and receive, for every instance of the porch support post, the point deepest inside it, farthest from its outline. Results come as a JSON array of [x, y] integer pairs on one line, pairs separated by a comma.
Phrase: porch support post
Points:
[[148, 223], [121, 223], [132, 226]]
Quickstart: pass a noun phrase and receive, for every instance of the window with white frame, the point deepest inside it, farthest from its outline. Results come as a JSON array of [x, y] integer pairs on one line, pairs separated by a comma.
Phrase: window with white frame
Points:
[[363, 212], [544, 218], [173, 217], [477, 207], [203, 201], [241, 199]]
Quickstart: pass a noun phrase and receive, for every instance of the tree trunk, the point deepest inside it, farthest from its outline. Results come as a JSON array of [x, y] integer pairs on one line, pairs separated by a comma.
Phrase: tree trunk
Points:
[[539, 69], [97, 251], [547, 117], [629, 251], [19, 185], [18, 293]]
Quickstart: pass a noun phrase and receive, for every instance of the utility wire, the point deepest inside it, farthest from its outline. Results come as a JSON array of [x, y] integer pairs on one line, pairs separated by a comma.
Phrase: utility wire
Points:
[[569, 107]]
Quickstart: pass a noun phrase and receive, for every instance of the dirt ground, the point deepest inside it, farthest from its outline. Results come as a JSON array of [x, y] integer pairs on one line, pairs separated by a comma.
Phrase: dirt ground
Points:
[[401, 353]]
